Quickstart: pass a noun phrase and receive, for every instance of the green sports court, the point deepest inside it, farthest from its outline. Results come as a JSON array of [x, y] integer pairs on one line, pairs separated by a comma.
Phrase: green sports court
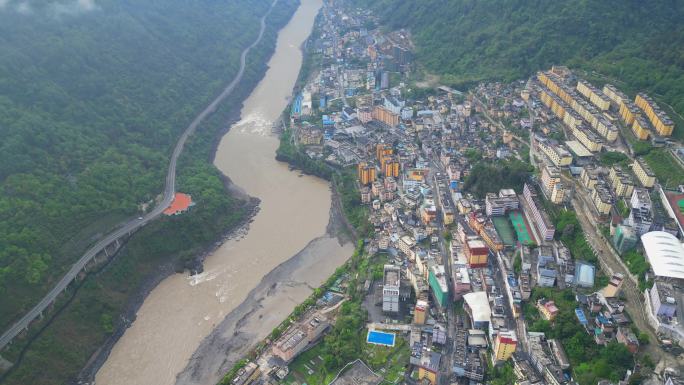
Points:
[[521, 230], [504, 229]]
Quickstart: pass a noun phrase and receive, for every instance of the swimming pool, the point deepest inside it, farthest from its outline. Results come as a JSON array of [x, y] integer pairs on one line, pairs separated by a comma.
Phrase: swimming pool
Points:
[[380, 338]]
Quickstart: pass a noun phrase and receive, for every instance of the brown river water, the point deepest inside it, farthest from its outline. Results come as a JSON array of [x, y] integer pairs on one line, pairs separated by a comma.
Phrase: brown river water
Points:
[[181, 312]]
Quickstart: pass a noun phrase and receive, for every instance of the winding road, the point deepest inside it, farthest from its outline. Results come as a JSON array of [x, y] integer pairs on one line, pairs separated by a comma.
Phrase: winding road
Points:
[[133, 225]]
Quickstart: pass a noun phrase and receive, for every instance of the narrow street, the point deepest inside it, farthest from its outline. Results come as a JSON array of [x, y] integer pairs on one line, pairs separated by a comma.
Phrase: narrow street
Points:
[[611, 263], [446, 364]]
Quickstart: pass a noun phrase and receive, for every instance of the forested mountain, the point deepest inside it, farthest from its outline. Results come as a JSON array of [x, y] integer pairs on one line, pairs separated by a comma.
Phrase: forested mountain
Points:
[[93, 95], [638, 41]]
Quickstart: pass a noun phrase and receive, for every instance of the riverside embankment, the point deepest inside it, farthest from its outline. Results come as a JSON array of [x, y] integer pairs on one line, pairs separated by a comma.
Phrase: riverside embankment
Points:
[[246, 273]]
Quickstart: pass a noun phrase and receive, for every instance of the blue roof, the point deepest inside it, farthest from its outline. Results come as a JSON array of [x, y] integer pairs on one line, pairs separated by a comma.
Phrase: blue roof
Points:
[[581, 317], [512, 281], [603, 320], [297, 105]]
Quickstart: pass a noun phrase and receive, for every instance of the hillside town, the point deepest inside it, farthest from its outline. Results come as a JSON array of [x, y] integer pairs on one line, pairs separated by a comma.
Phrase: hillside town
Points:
[[518, 232]]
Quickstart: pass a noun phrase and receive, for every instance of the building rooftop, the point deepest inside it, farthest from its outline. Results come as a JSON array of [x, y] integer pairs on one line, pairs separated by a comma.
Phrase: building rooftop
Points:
[[664, 253], [578, 149], [438, 272], [392, 276], [584, 274], [479, 306], [181, 202]]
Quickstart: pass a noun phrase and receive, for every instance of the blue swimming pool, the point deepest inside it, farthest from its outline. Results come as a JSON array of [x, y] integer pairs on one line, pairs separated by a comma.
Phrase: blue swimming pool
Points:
[[380, 338]]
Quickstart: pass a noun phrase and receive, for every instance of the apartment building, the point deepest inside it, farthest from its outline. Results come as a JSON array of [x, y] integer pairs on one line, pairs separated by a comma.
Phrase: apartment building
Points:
[[476, 252], [504, 345], [658, 118], [550, 176], [606, 128], [438, 284], [491, 237], [629, 112], [541, 218], [556, 153], [643, 172], [390, 166], [595, 96], [497, 205], [366, 173], [640, 214], [543, 359], [569, 107], [298, 337], [640, 128], [558, 193], [406, 245], [621, 182], [420, 312], [383, 150], [588, 139], [589, 176], [390, 289], [615, 95], [602, 198], [385, 116], [572, 119]]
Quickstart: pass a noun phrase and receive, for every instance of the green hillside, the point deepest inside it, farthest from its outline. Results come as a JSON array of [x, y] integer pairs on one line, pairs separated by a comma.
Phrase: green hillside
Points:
[[639, 42], [92, 98]]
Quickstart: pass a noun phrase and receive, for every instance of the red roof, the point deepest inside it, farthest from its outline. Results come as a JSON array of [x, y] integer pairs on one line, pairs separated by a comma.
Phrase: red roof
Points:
[[673, 199], [551, 307], [181, 203]]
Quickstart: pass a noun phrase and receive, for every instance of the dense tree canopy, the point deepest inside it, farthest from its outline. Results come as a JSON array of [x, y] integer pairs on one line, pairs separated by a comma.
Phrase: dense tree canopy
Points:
[[202, 57], [92, 98], [486, 176]]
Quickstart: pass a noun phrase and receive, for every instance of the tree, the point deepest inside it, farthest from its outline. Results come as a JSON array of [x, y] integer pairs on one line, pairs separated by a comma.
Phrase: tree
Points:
[[517, 263], [343, 344], [473, 155], [487, 177], [610, 158], [502, 375], [447, 236]]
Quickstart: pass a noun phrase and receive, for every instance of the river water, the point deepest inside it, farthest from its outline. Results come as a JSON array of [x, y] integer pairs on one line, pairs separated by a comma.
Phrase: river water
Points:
[[182, 311]]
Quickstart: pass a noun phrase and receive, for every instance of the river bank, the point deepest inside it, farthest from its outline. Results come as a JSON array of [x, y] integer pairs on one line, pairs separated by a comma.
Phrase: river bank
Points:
[[81, 332], [128, 316], [294, 210], [265, 307]]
